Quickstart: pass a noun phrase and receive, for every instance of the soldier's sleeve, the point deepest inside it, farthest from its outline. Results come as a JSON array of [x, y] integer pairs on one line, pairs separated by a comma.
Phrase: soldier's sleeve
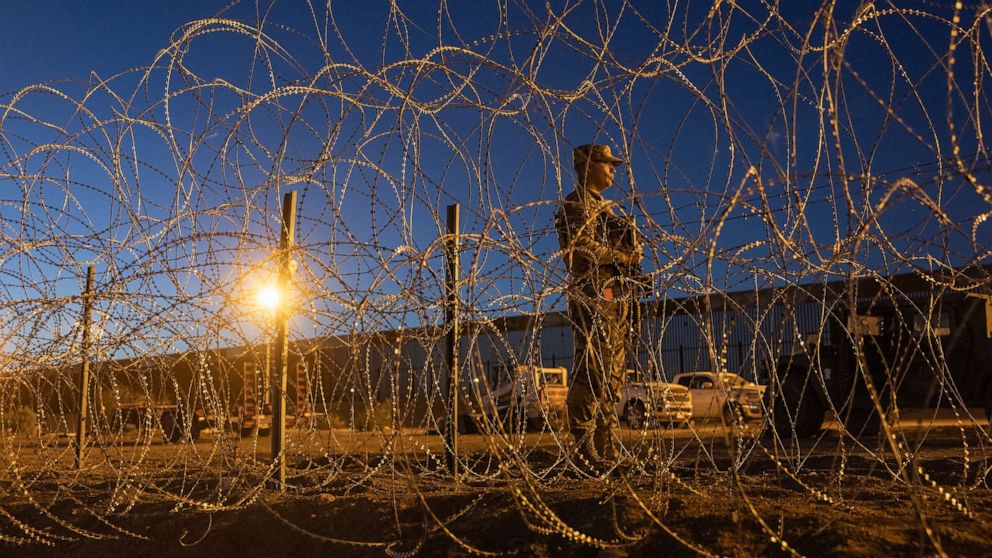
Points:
[[576, 224]]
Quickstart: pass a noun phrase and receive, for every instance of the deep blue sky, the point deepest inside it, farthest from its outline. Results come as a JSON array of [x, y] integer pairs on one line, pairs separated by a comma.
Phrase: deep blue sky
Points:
[[392, 170], [49, 40]]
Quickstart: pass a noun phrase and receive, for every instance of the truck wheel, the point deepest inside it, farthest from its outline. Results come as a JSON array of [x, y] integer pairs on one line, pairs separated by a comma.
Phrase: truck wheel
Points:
[[797, 410], [172, 426], [194, 430], [634, 415], [731, 413], [553, 421], [536, 424], [467, 425], [117, 420], [512, 421]]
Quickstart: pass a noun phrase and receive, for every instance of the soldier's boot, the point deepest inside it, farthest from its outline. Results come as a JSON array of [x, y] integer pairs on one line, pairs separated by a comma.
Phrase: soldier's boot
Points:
[[606, 447], [587, 459]]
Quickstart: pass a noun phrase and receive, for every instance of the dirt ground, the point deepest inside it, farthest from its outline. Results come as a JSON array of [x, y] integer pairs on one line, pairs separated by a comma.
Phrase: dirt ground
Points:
[[825, 498]]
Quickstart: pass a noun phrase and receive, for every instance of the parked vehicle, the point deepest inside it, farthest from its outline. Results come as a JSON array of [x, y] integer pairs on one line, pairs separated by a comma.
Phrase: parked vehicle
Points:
[[143, 414], [722, 396], [532, 397], [248, 418], [535, 397], [645, 403], [244, 419]]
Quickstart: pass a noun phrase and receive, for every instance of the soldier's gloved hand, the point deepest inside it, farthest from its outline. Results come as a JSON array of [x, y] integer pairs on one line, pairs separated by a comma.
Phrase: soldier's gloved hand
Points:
[[632, 257]]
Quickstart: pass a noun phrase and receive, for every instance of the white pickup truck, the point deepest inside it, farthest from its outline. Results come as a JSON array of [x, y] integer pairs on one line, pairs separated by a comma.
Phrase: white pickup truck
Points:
[[723, 395], [535, 398], [642, 403], [532, 397]]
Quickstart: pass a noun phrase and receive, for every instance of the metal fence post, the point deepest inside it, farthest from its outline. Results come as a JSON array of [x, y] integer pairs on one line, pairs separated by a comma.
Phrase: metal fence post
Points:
[[279, 382], [451, 324], [84, 374]]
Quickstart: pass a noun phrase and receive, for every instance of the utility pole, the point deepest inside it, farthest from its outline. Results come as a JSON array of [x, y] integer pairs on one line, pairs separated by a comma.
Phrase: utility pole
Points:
[[282, 339], [451, 345], [84, 375]]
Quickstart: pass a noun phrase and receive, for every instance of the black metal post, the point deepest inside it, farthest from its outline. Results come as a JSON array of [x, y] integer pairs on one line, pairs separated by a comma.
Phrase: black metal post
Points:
[[451, 323], [279, 379], [84, 375]]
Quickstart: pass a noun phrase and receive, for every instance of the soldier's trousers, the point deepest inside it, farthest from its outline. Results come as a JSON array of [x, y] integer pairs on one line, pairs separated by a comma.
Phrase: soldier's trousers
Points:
[[599, 331]]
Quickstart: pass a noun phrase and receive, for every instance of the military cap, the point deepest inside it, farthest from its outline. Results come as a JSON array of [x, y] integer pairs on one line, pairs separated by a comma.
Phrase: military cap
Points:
[[593, 152]]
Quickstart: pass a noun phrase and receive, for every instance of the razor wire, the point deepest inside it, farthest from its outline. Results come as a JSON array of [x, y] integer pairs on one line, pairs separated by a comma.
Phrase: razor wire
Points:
[[779, 159]]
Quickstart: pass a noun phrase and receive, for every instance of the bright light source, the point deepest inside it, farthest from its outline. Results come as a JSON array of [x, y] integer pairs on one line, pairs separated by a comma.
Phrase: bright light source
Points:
[[268, 297]]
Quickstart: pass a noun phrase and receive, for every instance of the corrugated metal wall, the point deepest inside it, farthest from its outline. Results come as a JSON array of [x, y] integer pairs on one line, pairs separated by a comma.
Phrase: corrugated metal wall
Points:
[[742, 340], [739, 339]]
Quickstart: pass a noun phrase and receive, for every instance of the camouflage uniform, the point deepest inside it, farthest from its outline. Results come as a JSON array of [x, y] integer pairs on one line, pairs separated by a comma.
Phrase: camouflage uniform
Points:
[[599, 312]]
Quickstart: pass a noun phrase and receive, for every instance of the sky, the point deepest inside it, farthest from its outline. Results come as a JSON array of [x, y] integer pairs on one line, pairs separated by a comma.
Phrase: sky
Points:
[[54, 41], [169, 179]]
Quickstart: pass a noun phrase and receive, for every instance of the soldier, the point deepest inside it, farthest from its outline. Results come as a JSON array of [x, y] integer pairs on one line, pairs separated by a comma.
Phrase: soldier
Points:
[[598, 253]]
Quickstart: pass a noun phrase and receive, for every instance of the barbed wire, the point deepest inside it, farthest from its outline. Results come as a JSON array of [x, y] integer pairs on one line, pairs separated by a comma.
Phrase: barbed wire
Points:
[[811, 188]]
